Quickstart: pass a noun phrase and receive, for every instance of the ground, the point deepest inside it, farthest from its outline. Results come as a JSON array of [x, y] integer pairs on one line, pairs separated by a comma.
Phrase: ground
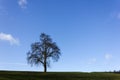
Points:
[[23, 75]]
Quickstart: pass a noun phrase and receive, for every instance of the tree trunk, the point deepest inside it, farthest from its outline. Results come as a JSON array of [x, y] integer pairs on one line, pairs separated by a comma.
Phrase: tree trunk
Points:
[[45, 64], [45, 68]]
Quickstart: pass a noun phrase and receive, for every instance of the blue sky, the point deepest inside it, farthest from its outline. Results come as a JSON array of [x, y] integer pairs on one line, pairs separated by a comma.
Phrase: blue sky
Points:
[[87, 32]]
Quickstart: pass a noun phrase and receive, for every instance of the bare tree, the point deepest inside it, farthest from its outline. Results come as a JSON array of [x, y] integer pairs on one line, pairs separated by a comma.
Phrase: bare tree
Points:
[[43, 51]]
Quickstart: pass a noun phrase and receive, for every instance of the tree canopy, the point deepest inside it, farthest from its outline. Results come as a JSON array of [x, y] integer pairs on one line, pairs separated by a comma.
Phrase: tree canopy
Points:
[[43, 51]]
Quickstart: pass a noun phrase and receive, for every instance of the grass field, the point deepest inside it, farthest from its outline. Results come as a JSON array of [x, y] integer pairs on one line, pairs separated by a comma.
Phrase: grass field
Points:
[[16, 75]]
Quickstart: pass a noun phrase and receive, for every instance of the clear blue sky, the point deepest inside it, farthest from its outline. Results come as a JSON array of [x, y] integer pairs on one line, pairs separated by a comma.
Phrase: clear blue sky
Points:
[[87, 32]]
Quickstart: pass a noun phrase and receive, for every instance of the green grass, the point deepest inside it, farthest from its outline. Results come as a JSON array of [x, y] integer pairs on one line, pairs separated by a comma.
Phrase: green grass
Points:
[[17, 75]]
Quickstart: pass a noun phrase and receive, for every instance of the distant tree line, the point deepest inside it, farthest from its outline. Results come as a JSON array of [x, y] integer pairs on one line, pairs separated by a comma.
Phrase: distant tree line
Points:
[[115, 71]]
